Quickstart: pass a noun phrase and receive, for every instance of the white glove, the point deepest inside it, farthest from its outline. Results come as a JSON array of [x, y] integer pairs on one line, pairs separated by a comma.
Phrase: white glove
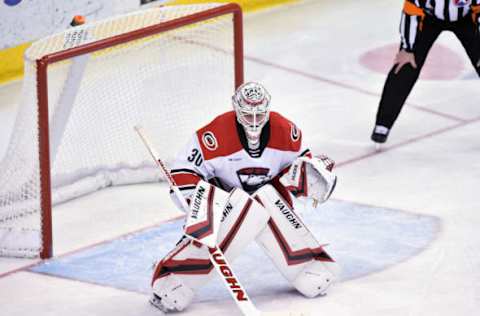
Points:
[[311, 177]]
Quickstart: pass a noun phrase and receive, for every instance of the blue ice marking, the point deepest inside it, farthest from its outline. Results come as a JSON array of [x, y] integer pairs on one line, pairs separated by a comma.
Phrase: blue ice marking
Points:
[[363, 240], [12, 2]]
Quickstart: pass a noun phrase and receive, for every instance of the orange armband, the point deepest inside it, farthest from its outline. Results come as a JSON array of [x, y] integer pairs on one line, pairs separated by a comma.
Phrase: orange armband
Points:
[[411, 9]]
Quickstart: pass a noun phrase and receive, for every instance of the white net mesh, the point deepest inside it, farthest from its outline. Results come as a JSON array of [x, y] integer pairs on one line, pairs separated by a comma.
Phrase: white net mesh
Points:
[[170, 83]]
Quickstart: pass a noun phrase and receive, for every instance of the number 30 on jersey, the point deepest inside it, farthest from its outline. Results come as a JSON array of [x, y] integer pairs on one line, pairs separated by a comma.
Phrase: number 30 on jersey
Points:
[[196, 157]]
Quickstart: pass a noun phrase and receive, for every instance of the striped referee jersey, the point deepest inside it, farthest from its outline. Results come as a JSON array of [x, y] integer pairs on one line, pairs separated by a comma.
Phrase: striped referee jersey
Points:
[[414, 11]]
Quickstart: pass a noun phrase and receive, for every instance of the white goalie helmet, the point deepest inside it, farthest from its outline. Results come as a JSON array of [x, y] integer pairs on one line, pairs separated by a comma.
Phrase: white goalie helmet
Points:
[[251, 103]]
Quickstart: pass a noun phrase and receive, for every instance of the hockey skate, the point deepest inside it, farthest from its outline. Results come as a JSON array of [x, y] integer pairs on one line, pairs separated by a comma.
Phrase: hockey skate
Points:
[[157, 302], [379, 135]]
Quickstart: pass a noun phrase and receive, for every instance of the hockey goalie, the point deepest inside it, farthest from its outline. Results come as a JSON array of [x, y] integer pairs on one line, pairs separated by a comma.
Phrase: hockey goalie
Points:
[[252, 162]]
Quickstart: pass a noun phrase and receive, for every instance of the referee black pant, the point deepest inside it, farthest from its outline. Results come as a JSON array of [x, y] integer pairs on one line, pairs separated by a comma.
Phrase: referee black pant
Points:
[[398, 86]]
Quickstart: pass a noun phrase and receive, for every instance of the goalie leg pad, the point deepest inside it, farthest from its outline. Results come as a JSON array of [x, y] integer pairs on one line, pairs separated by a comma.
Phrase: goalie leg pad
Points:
[[314, 280], [240, 224], [292, 247], [241, 221]]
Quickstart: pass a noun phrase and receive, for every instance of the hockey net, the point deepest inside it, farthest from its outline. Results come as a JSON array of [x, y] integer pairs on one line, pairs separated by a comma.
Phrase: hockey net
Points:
[[170, 69]]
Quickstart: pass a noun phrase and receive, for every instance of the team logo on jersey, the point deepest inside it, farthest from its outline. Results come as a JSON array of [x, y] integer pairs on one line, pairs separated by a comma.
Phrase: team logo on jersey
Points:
[[462, 3], [209, 141], [253, 178], [294, 133]]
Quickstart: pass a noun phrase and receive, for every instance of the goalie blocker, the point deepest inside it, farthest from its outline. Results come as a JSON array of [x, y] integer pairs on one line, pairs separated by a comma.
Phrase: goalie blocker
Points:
[[233, 220]]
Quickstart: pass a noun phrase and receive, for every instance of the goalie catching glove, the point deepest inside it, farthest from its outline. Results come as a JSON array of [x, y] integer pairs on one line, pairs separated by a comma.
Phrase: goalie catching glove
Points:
[[311, 177]]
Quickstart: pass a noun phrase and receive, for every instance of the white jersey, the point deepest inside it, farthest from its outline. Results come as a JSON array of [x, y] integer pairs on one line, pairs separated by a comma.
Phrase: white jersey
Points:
[[219, 152]]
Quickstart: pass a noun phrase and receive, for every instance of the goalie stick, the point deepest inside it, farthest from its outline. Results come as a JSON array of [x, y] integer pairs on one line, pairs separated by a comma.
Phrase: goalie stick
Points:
[[236, 290]]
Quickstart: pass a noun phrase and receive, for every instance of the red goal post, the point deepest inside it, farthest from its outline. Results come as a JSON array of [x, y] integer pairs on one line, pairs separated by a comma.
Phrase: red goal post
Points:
[[93, 90]]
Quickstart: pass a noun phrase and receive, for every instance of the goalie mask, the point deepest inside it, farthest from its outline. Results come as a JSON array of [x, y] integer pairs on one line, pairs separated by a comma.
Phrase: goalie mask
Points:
[[251, 103]]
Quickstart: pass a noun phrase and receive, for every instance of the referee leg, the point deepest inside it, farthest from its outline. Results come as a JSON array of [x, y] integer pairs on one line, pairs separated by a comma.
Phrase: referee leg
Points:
[[468, 34], [398, 86]]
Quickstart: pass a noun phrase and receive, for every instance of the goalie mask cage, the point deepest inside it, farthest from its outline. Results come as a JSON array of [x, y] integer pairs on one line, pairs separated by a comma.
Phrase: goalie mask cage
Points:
[[170, 69]]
